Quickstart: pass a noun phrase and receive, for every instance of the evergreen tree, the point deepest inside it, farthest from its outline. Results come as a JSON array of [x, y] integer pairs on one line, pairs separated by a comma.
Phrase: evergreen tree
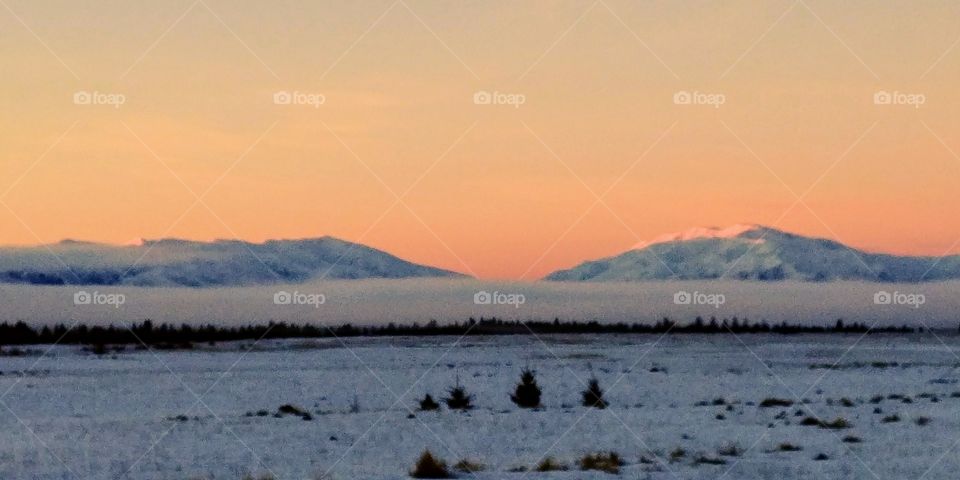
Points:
[[593, 395], [459, 399], [527, 393], [429, 404]]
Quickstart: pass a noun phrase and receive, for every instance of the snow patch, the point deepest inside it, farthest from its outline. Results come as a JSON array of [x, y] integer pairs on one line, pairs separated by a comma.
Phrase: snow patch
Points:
[[733, 231]]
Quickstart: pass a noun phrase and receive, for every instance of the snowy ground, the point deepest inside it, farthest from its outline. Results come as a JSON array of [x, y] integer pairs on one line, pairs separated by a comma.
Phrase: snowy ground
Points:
[[76, 415]]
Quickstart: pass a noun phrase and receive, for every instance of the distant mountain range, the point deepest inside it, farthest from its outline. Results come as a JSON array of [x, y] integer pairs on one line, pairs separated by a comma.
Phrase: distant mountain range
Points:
[[182, 263], [739, 252], [755, 252]]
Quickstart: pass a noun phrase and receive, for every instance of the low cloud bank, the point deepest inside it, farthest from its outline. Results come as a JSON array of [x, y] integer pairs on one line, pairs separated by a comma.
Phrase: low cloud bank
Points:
[[377, 302]]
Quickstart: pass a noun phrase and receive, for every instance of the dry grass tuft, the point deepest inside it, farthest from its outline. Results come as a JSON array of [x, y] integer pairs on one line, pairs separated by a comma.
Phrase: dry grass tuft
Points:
[[609, 462], [429, 466]]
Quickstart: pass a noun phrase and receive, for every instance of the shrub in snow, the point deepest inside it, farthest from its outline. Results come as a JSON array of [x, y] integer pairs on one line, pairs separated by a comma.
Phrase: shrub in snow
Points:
[[527, 393], [677, 454], [609, 462], [550, 465], [810, 422], [430, 467], [705, 460], [429, 404], [836, 424], [730, 450], [468, 466], [593, 395], [459, 399], [775, 402], [293, 410]]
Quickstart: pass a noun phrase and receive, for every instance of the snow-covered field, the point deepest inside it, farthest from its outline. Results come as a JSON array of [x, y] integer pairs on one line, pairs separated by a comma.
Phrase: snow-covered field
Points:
[[72, 414]]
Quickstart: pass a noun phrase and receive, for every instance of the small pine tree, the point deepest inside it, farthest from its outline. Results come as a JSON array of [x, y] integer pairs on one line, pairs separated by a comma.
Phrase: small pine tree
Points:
[[527, 393], [429, 404], [459, 399], [593, 395]]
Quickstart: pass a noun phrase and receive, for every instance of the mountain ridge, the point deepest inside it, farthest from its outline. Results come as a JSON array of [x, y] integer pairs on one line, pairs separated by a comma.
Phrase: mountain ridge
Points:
[[174, 262], [756, 252]]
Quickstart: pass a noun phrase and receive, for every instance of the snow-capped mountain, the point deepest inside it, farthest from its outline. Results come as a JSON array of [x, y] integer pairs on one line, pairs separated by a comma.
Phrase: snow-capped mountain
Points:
[[172, 262], [755, 252]]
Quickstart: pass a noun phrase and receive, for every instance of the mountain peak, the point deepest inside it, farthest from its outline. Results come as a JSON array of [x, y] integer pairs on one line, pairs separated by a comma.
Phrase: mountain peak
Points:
[[733, 231], [749, 251]]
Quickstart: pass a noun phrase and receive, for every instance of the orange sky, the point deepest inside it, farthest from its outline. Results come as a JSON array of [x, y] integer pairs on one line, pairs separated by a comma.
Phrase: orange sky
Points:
[[490, 190]]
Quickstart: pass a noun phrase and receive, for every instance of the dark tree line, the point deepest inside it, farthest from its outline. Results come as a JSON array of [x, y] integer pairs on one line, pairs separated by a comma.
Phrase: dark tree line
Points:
[[20, 333]]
